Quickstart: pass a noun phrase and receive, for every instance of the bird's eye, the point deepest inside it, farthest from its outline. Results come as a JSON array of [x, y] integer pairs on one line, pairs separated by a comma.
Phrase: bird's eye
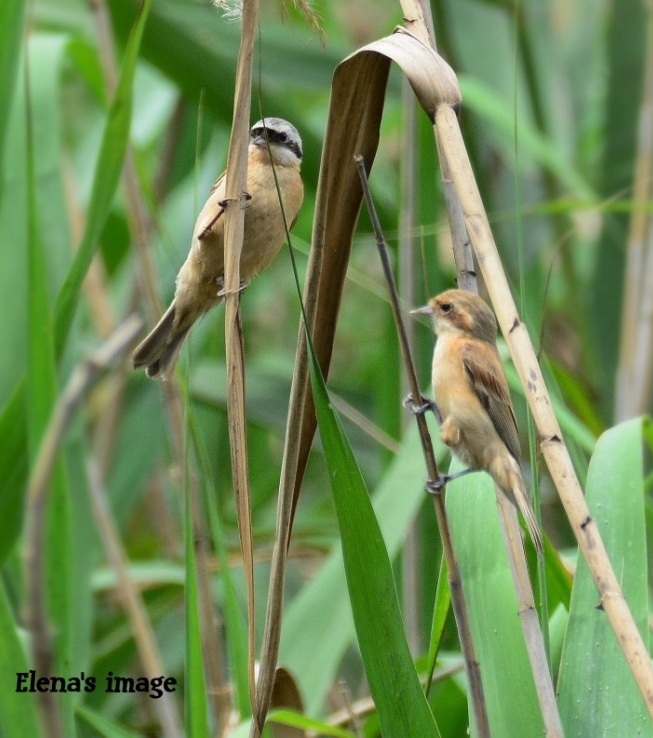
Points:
[[283, 137], [446, 307]]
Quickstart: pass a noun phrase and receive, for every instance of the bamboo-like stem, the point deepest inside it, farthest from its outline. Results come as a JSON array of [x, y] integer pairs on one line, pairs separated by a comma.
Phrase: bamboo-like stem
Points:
[[462, 248], [455, 582], [466, 278], [553, 448], [235, 203], [419, 20]]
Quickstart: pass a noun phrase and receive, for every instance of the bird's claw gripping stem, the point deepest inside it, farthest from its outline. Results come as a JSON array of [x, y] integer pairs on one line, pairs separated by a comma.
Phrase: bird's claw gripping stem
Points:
[[422, 407], [434, 487]]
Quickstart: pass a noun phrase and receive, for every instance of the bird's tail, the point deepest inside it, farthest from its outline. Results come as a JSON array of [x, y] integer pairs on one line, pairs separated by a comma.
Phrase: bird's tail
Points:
[[158, 352], [512, 482]]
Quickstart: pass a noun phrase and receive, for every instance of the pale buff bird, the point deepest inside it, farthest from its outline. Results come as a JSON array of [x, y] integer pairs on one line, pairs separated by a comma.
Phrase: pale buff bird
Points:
[[471, 394]]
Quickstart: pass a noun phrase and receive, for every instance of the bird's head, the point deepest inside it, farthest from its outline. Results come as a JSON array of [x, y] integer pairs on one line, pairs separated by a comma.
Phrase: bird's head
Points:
[[282, 138], [461, 312]]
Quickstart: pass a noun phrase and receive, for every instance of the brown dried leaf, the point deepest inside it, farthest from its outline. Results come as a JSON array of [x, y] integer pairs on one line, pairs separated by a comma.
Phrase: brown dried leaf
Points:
[[285, 694], [357, 96]]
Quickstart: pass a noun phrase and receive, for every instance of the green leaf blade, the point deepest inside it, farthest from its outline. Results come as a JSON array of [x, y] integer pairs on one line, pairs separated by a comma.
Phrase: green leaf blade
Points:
[[512, 704], [596, 687], [394, 685]]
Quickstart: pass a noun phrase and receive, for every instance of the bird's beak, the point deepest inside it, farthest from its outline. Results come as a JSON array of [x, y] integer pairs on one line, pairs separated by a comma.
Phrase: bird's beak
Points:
[[259, 140], [424, 310]]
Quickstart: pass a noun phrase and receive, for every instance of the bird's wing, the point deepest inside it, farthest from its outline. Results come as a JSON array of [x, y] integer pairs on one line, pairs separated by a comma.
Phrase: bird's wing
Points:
[[219, 182], [488, 382], [212, 211]]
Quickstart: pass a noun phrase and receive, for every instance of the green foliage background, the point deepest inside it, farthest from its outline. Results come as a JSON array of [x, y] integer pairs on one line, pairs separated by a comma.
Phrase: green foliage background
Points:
[[552, 95]]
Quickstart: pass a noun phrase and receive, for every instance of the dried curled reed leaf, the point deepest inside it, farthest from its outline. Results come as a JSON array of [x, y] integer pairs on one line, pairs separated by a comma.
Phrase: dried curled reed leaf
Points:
[[357, 97]]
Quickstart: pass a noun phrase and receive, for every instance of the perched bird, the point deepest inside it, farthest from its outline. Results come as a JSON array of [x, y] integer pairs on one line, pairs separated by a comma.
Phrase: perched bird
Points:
[[274, 148], [471, 394]]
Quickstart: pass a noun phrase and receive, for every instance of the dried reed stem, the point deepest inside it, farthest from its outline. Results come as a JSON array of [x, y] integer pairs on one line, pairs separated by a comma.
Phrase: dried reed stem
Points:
[[528, 617], [235, 203]]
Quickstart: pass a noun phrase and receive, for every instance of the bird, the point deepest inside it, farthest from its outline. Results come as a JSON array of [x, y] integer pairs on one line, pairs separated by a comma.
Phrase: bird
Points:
[[275, 148], [471, 394]]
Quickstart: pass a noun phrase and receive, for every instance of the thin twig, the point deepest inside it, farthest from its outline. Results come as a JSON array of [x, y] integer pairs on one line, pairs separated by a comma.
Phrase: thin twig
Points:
[[411, 580], [455, 583]]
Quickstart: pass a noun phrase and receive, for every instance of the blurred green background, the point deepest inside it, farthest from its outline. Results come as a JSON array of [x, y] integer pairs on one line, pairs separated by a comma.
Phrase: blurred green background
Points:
[[552, 96]]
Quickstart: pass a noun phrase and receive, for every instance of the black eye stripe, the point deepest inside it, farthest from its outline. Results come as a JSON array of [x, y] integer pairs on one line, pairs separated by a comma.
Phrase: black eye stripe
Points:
[[272, 136], [292, 145], [277, 137]]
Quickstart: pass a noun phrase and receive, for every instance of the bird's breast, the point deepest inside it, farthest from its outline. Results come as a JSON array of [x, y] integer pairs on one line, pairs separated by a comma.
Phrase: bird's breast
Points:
[[265, 229], [449, 380]]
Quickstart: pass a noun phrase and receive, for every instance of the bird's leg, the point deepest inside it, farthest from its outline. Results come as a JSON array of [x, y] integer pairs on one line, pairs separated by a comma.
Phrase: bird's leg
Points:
[[450, 436], [423, 406], [222, 204], [434, 487]]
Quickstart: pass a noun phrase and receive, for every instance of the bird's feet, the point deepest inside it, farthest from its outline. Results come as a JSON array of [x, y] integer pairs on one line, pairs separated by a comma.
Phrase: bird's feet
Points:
[[434, 487], [422, 407], [246, 196], [222, 292]]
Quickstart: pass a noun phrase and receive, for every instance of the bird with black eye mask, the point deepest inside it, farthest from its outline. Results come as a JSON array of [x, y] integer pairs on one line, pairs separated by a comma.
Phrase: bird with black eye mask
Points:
[[275, 147]]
